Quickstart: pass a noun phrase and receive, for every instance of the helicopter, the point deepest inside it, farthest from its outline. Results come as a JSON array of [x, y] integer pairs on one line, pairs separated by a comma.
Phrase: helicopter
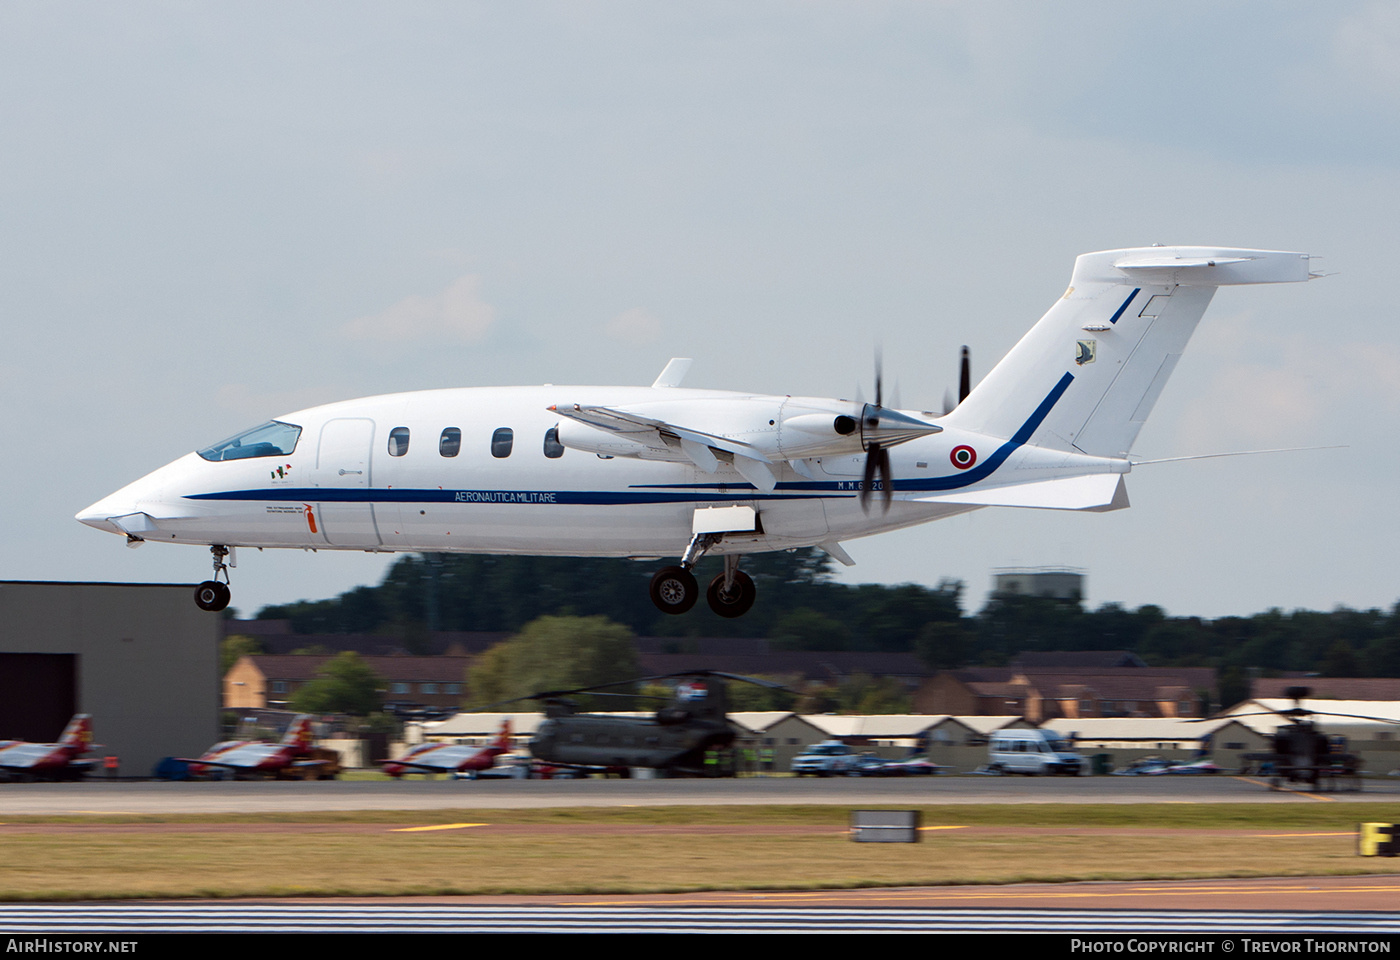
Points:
[[1302, 753], [677, 738]]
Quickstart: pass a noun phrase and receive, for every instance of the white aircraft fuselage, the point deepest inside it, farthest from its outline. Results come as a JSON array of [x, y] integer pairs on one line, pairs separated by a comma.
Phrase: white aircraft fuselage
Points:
[[666, 471]]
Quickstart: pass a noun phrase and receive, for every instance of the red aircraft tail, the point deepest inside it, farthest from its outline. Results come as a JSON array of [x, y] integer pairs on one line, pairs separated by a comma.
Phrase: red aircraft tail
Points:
[[299, 733], [78, 734], [503, 738]]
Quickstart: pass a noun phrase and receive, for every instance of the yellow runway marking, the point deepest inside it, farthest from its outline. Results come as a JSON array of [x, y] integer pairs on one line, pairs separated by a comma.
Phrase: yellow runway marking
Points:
[[1296, 793], [943, 828], [438, 826], [1283, 836]]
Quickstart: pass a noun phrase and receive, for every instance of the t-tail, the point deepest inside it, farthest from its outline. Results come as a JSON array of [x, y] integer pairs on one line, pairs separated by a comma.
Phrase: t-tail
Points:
[[1095, 364]]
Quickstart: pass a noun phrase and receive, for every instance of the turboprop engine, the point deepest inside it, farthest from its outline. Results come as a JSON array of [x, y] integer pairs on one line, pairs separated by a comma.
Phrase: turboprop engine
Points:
[[751, 433]]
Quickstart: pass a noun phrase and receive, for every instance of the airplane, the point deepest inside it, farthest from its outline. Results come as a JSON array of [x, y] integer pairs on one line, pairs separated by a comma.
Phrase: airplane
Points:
[[20, 760], [450, 757], [666, 471], [292, 754]]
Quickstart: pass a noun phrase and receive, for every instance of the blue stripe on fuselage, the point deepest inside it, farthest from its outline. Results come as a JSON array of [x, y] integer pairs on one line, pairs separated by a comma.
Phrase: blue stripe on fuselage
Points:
[[653, 493]]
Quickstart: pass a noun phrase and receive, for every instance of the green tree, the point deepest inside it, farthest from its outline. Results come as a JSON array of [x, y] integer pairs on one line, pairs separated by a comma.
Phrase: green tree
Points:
[[344, 684], [556, 653]]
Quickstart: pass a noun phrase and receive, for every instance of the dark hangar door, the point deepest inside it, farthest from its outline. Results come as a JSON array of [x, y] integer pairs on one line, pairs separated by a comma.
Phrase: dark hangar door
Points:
[[38, 695]]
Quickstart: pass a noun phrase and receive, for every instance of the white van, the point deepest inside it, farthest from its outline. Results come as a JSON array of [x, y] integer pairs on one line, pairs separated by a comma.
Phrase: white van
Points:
[[1032, 752]]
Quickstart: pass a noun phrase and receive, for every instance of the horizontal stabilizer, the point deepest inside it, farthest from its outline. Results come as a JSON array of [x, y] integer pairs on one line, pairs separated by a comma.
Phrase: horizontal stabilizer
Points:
[[1099, 491]]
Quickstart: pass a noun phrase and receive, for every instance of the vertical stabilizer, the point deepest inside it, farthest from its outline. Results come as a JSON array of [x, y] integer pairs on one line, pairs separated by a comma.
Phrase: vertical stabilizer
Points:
[[1113, 339]]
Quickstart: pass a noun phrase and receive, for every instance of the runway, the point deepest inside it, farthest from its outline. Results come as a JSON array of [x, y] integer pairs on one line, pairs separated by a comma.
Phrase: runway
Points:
[[1314, 906], [1299, 906], [228, 796]]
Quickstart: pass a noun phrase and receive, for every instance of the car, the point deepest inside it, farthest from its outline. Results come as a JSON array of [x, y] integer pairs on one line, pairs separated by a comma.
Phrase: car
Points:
[[1032, 752], [826, 759]]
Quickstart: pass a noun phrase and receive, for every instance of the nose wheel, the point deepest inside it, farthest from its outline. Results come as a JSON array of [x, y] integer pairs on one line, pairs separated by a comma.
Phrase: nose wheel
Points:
[[214, 595]]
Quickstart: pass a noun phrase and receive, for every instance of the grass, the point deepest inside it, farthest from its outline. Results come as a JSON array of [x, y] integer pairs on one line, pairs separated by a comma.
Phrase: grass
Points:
[[84, 859]]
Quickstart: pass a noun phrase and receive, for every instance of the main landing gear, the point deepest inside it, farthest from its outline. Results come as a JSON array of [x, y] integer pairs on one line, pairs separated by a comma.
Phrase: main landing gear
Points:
[[730, 594], [215, 594]]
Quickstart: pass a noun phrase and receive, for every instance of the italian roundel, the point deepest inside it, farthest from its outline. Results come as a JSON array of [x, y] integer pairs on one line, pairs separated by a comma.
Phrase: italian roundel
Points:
[[963, 456]]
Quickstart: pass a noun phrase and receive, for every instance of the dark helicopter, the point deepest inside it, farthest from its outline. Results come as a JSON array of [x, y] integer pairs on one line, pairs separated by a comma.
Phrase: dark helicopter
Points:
[[1301, 753], [685, 736]]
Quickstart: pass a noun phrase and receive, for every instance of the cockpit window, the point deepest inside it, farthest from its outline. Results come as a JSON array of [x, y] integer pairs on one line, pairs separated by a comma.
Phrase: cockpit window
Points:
[[271, 439]]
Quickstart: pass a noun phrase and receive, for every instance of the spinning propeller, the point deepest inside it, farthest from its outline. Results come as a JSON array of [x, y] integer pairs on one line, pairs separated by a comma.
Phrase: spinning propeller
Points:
[[964, 384], [880, 429]]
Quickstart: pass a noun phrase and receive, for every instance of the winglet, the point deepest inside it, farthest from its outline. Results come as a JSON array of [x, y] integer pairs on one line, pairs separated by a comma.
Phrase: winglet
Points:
[[674, 373]]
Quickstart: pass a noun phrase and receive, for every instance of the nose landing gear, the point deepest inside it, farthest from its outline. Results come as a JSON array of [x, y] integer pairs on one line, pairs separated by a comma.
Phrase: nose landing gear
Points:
[[215, 594]]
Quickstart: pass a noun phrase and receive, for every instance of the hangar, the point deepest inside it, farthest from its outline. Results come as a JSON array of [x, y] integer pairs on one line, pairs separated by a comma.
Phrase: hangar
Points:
[[141, 658]]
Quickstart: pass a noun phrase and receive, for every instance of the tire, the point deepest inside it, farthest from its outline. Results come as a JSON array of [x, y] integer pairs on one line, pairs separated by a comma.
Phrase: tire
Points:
[[738, 601], [212, 595], [674, 590]]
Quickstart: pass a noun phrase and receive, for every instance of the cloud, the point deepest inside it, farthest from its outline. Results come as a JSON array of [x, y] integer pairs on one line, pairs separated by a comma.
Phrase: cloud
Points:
[[634, 326], [458, 313]]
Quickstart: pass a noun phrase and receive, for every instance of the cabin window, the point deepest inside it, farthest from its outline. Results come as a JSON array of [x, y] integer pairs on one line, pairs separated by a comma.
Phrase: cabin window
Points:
[[427, 688], [501, 442], [398, 441], [271, 439], [450, 443], [553, 449]]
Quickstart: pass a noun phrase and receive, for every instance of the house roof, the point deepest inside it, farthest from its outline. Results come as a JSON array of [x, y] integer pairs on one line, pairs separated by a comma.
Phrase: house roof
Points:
[[301, 667]]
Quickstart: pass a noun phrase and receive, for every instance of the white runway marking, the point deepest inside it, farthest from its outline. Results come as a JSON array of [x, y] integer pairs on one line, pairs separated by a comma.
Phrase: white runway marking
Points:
[[330, 918]]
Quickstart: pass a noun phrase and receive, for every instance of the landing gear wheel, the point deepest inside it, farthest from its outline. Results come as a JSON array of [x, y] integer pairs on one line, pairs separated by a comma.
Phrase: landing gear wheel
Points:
[[212, 595], [674, 590], [737, 601]]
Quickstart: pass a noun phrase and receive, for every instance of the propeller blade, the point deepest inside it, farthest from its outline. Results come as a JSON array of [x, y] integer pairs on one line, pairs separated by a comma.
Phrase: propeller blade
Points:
[[867, 483], [883, 457], [964, 376]]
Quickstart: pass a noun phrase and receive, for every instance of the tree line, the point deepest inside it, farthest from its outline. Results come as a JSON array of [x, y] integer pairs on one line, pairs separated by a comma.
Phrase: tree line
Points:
[[802, 608]]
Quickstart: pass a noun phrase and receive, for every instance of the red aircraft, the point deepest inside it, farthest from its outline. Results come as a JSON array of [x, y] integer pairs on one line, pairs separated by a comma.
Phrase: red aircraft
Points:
[[450, 757], [252, 756], [20, 760]]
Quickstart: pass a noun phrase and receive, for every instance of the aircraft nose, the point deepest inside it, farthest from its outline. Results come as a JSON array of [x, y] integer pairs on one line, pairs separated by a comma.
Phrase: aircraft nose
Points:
[[99, 515]]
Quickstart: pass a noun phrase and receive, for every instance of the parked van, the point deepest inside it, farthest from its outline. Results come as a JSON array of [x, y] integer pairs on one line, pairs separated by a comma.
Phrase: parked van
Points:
[[1032, 752]]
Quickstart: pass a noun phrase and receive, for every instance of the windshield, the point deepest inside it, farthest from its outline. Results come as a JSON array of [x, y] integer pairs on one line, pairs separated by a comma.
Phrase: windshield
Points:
[[271, 439]]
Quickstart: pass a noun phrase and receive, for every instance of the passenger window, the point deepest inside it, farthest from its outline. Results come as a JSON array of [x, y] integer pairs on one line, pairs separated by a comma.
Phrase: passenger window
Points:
[[398, 441], [553, 449], [501, 442], [450, 443]]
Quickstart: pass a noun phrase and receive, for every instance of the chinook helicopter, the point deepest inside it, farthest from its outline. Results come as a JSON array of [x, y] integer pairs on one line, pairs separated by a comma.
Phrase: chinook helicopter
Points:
[[675, 739], [1302, 753]]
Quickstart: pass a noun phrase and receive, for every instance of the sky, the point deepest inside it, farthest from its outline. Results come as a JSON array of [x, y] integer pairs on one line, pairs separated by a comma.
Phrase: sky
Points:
[[213, 214]]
